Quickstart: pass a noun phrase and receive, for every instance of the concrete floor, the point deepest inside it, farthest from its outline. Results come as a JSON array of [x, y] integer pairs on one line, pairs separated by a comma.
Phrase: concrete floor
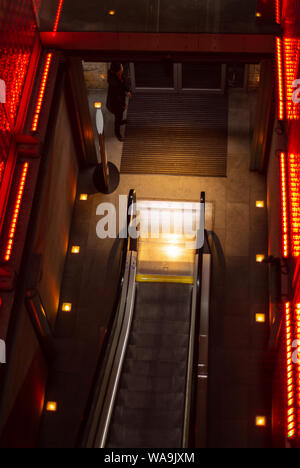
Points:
[[237, 230]]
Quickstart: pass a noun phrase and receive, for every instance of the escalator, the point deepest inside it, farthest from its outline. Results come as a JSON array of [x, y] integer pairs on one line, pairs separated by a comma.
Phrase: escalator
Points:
[[145, 394]]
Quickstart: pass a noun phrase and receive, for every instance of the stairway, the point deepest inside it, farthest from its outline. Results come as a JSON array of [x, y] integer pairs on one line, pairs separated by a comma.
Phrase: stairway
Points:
[[149, 408]]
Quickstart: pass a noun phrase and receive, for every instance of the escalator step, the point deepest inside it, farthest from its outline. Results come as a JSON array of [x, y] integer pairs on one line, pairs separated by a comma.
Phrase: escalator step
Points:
[[164, 295], [150, 354], [121, 437], [154, 368], [136, 383], [143, 400], [164, 340], [157, 419], [178, 313], [148, 325]]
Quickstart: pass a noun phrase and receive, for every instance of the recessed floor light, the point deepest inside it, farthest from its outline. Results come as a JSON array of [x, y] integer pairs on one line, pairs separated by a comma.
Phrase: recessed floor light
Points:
[[51, 406], [66, 307], [260, 258], [260, 318], [260, 421]]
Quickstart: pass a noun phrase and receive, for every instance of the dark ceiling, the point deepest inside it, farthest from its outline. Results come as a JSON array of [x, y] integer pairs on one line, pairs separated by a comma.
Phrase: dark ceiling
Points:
[[183, 16]]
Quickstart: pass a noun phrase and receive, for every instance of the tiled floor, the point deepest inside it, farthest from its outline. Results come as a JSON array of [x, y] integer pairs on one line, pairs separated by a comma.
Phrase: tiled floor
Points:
[[238, 231]]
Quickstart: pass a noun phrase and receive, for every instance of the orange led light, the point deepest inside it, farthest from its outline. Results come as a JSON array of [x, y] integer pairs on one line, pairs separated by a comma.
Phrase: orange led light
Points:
[[41, 95], [260, 204], [258, 14], [83, 197], [16, 212], [51, 406], [112, 12], [97, 105], [75, 249]]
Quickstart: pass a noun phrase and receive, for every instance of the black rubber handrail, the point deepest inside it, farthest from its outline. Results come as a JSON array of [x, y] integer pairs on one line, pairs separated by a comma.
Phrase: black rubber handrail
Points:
[[199, 251], [128, 245]]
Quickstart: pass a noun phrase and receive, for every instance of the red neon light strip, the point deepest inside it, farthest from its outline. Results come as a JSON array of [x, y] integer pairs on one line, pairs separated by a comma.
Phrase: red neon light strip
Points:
[[294, 202], [280, 79], [290, 388], [291, 49], [39, 104], [58, 14], [297, 322], [278, 11], [284, 206], [15, 217]]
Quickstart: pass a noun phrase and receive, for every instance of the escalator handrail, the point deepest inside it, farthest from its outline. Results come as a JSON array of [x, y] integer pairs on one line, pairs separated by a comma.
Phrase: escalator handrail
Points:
[[128, 246], [193, 348]]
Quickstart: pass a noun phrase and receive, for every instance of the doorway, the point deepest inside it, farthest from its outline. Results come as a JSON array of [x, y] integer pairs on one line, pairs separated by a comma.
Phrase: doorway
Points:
[[178, 77]]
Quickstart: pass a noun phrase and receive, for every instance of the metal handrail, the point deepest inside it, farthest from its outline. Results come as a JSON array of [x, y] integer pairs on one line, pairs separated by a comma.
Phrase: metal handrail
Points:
[[99, 386], [192, 355]]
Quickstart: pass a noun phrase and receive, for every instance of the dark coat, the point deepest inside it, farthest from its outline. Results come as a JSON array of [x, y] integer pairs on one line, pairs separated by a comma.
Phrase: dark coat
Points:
[[116, 96]]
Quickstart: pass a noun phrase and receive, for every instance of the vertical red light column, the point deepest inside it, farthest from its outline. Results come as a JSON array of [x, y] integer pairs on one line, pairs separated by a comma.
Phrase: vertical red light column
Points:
[[290, 375], [284, 206]]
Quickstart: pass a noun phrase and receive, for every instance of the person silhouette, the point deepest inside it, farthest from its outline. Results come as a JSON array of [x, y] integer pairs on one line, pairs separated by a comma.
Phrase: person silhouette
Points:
[[118, 89]]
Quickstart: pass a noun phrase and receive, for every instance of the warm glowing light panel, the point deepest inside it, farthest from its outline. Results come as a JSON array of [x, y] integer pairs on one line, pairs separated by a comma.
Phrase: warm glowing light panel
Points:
[[16, 212]]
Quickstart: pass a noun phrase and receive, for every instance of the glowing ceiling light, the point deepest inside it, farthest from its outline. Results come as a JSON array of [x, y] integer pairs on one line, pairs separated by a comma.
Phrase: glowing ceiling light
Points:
[[66, 307], [112, 12], [97, 105], [75, 249], [83, 197], [260, 204]]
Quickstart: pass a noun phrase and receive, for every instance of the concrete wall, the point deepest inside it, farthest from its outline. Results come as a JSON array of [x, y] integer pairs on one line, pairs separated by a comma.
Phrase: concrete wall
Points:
[[24, 397], [274, 202], [52, 234]]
